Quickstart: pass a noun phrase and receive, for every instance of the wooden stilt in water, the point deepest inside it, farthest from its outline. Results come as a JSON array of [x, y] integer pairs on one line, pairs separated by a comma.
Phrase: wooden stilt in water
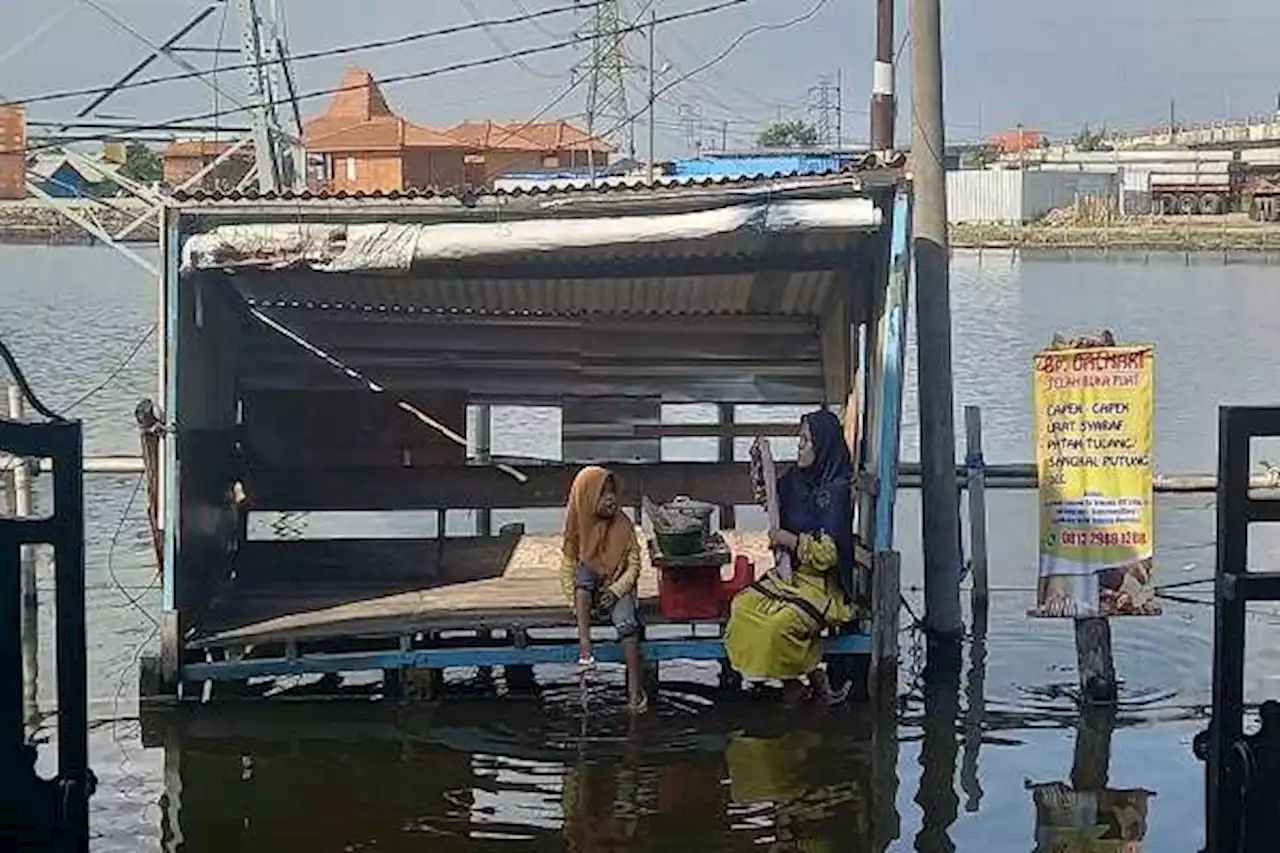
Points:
[[976, 489], [520, 680], [1094, 661], [886, 598], [23, 507]]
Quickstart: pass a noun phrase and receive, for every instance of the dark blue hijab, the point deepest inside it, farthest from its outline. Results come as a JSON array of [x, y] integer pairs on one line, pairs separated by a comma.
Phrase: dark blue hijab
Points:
[[819, 499]]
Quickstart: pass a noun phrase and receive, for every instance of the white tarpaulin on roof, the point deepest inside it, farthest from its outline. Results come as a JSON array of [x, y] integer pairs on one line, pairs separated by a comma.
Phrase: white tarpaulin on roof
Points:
[[395, 247]]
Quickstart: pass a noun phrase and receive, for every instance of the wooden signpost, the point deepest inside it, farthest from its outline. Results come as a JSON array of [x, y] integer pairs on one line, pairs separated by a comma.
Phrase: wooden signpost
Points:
[[1093, 419]]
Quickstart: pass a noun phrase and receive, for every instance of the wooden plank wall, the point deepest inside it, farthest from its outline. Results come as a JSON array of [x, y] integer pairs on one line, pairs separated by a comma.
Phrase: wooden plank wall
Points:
[[350, 429], [210, 326], [602, 429]]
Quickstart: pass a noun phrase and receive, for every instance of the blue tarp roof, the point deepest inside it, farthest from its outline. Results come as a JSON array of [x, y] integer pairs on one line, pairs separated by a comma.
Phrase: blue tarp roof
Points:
[[746, 166]]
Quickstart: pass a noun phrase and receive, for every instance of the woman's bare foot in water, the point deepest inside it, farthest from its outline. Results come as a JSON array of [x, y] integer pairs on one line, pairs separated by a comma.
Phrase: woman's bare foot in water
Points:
[[823, 692]]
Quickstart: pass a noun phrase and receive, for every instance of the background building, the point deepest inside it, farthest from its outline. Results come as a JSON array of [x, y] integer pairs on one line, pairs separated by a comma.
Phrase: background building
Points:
[[359, 144], [183, 159]]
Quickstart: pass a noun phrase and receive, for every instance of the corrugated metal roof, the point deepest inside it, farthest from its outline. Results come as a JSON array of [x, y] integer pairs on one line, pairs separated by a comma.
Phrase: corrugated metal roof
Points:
[[797, 294], [889, 166], [686, 359]]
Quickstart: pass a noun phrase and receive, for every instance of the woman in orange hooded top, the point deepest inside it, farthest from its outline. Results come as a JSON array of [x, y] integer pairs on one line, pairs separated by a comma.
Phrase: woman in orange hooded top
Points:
[[599, 570]]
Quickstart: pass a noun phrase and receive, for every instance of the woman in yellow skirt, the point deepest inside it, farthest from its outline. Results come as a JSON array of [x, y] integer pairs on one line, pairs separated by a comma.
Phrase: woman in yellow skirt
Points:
[[775, 625]]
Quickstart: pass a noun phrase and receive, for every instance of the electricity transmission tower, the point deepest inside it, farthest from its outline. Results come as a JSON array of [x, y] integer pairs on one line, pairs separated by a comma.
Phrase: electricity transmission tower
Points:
[[690, 117], [606, 84], [278, 152], [276, 132], [825, 109]]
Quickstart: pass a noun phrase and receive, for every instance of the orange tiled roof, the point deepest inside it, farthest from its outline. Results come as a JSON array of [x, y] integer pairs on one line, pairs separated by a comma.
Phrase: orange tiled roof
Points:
[[359, 119], [180, 148], [526, 136]]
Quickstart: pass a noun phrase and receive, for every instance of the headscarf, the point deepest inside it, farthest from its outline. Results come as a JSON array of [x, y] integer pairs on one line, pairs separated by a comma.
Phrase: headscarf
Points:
[[600, 544], [819, 499]]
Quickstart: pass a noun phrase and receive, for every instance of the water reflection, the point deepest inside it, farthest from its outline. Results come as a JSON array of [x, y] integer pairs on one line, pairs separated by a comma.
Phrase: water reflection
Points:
[[480, 775], [705, 771], [937, 794], [975, 711], [1087, 815]]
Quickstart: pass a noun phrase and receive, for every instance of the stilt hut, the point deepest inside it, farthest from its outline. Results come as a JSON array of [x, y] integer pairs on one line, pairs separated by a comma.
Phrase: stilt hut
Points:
[[338, 357]]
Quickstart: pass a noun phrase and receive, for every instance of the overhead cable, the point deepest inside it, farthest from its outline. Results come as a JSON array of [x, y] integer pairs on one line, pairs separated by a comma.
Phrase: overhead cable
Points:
[[428, 73], [719, 57], [325, 53]]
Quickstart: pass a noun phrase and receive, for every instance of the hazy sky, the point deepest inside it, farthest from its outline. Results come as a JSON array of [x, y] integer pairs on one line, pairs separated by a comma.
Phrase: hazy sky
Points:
[[1050, 66]]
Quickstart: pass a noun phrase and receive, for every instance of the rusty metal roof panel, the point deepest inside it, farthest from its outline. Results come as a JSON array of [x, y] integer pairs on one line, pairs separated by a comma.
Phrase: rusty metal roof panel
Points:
[[800, 294], [889, 166]]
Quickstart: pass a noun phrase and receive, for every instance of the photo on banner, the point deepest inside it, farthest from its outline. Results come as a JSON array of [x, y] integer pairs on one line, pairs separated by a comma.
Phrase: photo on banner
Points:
[[1094, 442]]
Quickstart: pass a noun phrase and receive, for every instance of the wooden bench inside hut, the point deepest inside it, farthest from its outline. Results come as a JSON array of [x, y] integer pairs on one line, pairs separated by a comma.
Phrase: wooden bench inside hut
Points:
[[332, 369]]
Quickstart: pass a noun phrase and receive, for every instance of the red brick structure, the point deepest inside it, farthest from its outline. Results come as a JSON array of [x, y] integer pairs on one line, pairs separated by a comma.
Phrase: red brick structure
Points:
[[496, 149], [13, 156], [183, 159], [364, 146]]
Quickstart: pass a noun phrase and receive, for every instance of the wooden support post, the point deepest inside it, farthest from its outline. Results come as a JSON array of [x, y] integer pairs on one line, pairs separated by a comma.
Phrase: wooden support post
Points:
[[422, 685], [442, 519], [939, 503], [24, 507], [886, 597], [730, 679], [1094, 660], [727, 517], [149, 431], [520, 680], [484, 453], [977, 492]]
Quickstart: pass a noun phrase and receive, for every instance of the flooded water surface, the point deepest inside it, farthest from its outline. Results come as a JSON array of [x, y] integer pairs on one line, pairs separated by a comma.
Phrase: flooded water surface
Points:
[[985, 766]]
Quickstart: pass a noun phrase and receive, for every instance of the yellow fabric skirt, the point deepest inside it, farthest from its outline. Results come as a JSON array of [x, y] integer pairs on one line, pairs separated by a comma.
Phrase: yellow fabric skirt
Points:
[[767, 638]]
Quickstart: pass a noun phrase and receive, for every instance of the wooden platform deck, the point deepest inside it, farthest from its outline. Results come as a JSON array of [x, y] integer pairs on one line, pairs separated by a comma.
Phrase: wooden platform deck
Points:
[[319, 590]]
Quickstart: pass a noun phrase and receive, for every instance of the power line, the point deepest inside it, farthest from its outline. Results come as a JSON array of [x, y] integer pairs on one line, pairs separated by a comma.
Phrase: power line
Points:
[[732, 46], [501, 45], [548, 107], [439, 71], [119, 368], [379, 44], [537, 25]]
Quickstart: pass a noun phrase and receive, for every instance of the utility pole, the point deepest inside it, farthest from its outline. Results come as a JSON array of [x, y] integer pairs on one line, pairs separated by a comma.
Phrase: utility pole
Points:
[[839, 108], [653, 95], [940, 502], [1173, 121], [883, 106]]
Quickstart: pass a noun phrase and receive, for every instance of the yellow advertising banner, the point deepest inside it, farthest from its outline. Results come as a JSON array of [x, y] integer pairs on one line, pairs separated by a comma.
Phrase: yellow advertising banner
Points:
[[1094, 438]]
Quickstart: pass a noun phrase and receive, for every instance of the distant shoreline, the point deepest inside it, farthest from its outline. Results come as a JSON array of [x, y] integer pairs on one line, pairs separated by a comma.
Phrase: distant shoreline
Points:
[[1226, 234], [28, 223]]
